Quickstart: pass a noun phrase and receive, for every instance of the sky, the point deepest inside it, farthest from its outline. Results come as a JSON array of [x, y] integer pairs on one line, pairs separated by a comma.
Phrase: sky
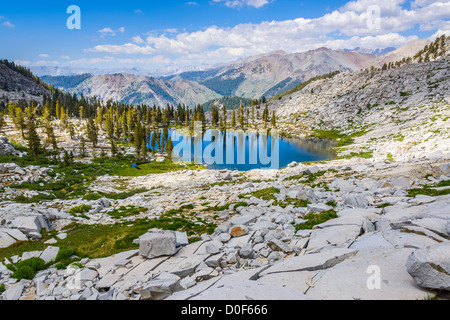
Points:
[[156, 34]]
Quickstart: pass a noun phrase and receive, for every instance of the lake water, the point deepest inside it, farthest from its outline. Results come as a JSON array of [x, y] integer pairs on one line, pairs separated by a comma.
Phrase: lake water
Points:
[[245, 151]]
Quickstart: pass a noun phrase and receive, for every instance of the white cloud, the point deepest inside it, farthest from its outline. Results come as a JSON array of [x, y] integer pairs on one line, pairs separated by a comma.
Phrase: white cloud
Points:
[[159, 60], [192, 3], [110, 32], [47, 63], [44, 55], [138, 11], [129, 48], [65, 57], [22, 62], [85, 61], [241, 3], [8, 24], [138, 40], [347, 27]]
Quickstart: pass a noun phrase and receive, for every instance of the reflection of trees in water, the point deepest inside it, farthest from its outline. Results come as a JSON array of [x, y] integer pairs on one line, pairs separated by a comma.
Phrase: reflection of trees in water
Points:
[[236, 142], [319, 146]]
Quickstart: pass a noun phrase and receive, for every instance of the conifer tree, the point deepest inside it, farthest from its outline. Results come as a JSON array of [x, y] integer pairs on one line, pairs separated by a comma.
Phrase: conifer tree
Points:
[[34, 142], [233, 119], [92, 132], [19, 121], [224, 116], [169, 148], [144, 150], [82, 147], [54, 142], [241, 116], [273, 121], [113, 147], [82, 113]]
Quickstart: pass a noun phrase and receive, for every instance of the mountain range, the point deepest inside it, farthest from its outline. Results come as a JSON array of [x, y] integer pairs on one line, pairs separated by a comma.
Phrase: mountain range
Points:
[[254, 77]]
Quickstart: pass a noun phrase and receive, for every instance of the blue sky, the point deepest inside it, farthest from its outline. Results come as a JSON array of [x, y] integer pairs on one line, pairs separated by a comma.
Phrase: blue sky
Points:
[[153, 34]]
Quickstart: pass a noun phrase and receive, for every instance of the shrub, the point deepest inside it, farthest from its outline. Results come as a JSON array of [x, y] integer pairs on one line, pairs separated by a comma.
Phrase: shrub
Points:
[[92, 196], [83, 208], [315, 219], [27, 269]]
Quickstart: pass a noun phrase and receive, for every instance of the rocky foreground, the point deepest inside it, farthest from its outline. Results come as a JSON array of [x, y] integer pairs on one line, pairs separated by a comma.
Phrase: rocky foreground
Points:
[[256, 252]]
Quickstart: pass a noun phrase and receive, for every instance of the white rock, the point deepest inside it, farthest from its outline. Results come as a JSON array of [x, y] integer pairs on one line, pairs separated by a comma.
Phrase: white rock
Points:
[[6, 240], [49, 254], [14, 291], [430, 267], [152, 245]]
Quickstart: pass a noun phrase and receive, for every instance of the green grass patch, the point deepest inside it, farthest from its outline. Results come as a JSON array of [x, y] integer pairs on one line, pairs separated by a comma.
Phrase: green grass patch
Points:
[[128, 211], [444, 183], [384, 205], [316, 219], [264, 194], [92, 196], [297, 203], [340, 138], [83, 208], [363, 155], [428, 191], [123, 195]]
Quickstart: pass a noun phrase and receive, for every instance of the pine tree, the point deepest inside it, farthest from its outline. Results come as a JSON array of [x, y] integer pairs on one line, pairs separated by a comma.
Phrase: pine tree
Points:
[[241, 116], [153, 141], [34, 142], [63, 118], [266, 114], [273, 121], [67, 160], [233, 119], [144, 150], [19, 121], [92, 132], [54, 142], [71, 131], [169, 148], [58, 110], [109, 125], [113, 147], [253, 115], [82, 113], [82, 147], [224, 115]]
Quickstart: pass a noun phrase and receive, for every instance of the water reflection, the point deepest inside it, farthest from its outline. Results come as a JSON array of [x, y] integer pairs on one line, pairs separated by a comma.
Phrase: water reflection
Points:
[[242, 151]]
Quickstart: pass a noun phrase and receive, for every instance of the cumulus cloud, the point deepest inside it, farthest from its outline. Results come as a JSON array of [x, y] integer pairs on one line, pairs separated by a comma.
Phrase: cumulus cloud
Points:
[[8, 24], [240, 3], [110, 32], [352, 25]]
